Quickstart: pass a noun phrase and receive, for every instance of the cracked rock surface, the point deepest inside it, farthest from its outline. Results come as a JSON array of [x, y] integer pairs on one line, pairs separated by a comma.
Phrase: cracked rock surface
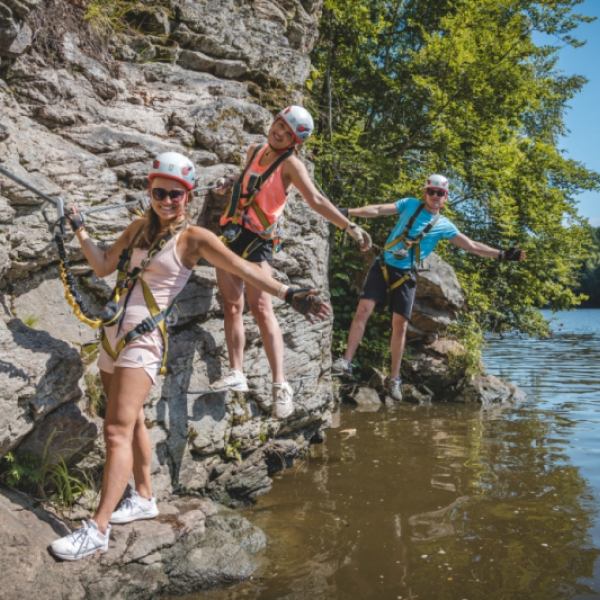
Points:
[[193, 544], [84, 121]]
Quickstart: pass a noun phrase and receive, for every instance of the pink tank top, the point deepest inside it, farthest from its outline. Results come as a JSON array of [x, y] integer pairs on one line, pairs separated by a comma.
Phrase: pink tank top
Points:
[[165, 275], [271, 198]]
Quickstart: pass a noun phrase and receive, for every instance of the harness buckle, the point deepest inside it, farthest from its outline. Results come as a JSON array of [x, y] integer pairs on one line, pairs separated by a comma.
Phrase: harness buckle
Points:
[[146, 326]]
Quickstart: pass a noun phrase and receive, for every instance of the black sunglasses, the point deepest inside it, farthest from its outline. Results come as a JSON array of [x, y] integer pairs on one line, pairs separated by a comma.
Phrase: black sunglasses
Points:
[[438, 193], [160, 194]]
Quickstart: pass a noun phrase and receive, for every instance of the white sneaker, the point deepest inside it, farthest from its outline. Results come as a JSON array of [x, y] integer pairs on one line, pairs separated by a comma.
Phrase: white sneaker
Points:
[[341, 368], [235, 381], [393, 387], [135, 508], [81, 543], [283, 406]]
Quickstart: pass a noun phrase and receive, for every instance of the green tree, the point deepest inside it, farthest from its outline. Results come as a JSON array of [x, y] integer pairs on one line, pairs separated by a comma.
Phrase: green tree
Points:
[[589, 275], [404, 88]]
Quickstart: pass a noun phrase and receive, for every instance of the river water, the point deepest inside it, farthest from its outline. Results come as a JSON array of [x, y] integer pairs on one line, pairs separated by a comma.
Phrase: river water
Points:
[[449, 502]]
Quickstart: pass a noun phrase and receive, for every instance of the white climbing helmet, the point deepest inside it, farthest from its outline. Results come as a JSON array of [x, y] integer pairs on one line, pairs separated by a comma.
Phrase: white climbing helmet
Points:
[[299, 121], [174, 166], [437, 181]]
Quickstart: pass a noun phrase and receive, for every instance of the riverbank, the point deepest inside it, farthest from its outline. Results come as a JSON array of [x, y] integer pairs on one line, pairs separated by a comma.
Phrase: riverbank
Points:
[[193, 544]]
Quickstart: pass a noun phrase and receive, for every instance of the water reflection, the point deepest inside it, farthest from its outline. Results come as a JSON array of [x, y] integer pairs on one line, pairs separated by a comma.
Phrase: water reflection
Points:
[[445, 502]]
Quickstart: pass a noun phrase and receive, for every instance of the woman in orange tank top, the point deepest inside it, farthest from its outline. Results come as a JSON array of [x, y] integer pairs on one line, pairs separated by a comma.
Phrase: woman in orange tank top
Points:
[[128, 377], [292, 127]]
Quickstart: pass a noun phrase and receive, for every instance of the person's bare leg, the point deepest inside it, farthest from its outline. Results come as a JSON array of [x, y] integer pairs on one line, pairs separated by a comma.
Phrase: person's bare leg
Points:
[[232, 292], [142, 448], [357, 329], [261, 305], [126, 396], [399, 329], [142, 457]]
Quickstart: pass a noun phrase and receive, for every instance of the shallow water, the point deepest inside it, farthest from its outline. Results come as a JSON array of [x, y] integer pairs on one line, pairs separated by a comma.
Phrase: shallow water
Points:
[[446, 501]]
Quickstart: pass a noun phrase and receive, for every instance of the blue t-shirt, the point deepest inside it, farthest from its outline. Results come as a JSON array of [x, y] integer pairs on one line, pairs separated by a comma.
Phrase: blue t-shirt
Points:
[[442, 230]]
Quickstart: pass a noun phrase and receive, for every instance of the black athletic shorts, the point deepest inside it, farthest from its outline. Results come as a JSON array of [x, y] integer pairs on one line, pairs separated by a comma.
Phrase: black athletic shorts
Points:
[[403, 296], [263, 252]]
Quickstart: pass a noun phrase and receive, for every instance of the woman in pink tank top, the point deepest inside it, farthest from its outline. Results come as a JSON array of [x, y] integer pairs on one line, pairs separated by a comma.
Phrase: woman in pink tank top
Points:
[[128, 372], [254, 242]]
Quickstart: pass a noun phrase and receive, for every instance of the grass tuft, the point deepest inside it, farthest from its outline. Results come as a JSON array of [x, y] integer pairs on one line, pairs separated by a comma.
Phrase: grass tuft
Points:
[[30, 320]]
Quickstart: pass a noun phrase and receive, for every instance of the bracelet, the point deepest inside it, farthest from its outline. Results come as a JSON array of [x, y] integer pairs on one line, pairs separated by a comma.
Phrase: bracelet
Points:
[[500, 252], [283, 291]]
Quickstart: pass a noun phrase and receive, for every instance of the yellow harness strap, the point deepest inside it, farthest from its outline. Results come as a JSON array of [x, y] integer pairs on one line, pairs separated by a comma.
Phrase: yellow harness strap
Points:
[[159, 323], [386, 276], [410, 244], [157, 319]]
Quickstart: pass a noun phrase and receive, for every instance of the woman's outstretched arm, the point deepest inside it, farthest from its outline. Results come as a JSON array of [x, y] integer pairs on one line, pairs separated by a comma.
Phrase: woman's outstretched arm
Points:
[[201, 243]]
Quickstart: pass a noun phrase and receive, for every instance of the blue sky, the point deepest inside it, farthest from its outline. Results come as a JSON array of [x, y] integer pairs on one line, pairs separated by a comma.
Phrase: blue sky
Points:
[[582, 118]]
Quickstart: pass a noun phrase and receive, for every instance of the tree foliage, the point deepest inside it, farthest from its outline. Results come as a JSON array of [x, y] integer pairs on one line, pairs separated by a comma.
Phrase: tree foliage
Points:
[[589, 274], [404, 88]]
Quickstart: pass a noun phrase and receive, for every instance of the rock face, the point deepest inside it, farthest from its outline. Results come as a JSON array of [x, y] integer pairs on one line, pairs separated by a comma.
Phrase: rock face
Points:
[[438, 300], [38, 376], [192, 545], [82, 116], [431, 369]]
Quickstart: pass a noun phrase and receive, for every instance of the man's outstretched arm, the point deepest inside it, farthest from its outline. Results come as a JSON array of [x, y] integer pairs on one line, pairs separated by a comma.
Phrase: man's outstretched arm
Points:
[[462, 241], [373, 210]]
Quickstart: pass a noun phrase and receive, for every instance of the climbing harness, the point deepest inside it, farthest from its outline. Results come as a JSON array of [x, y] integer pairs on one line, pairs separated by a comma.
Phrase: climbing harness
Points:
[[126, 280], [241, 201], [412, 247]]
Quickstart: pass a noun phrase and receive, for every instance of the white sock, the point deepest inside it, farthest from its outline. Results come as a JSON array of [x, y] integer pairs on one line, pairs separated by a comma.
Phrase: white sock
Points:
[[238, 373]]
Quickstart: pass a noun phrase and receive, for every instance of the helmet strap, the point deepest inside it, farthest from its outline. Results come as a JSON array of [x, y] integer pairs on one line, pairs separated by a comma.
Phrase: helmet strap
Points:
[[277, 151]]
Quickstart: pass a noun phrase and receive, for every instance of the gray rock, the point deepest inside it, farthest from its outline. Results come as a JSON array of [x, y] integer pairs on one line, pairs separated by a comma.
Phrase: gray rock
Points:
[[64, 434], [22, 7], [414, 395], [487, 390], [15, 39], [88, 135], [196, 61], [366, 398], [149, 20], [175, 553], [438, 299], [37, 374]]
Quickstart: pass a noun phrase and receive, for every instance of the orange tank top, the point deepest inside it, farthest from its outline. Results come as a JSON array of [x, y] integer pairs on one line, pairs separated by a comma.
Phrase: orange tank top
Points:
[[271, 198]]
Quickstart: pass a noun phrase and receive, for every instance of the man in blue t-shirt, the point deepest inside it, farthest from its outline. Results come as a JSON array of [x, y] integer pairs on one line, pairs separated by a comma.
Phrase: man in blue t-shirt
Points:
[[420, 226]]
